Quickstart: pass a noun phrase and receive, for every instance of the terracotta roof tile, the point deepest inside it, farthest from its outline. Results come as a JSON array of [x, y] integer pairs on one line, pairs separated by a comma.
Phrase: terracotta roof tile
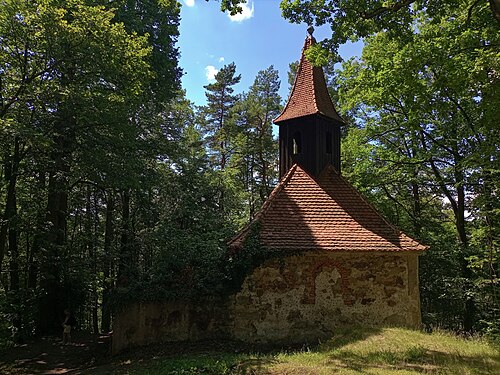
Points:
[[309, 94], [302, 214]]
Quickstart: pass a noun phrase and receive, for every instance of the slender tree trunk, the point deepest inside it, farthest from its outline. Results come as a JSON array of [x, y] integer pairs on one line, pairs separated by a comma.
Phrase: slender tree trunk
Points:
[[261, 161], [52, 302], [107, 285], [9, 232], [13, 233], [33, 264], [417, 209], [491, 225], [95, 294], [14, 259], [7, 227], [90, 233], [468, 274], [125, 266]]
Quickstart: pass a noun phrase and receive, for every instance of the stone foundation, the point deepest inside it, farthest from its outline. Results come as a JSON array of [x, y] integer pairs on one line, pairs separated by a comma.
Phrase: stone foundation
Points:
[[291, 299]]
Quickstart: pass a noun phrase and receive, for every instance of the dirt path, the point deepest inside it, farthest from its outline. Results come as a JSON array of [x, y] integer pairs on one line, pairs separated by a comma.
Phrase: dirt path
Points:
[[47, 355]]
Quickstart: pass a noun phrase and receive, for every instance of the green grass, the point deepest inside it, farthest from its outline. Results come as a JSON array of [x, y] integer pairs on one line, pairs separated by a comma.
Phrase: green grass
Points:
[[354, 351]]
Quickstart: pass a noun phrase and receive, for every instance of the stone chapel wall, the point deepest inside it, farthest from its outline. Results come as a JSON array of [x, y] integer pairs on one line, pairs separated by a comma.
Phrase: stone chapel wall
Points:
[[292, 299], [306, 297], [147, 323]]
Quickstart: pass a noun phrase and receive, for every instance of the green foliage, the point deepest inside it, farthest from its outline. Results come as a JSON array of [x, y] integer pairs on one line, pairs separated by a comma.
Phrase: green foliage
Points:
[[18, 313], [74, 76], [357, 19], [203, 364], [243, 261], [193, 266]]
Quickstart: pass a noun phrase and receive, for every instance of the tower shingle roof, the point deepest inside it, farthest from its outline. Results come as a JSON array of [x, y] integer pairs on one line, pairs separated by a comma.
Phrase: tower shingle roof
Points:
[[309, 95], [328, 214]]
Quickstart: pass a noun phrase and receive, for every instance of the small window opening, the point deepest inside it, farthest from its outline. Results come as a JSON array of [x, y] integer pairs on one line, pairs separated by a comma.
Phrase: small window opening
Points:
[[296, 144], [328, 142]]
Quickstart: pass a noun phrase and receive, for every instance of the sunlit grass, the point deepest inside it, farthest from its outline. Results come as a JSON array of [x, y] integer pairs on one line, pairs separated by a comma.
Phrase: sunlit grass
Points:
[[394, 351], [353, 351]]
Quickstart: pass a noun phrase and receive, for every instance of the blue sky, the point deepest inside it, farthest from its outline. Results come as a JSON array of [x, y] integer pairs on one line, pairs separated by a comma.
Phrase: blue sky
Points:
[[258, 38]]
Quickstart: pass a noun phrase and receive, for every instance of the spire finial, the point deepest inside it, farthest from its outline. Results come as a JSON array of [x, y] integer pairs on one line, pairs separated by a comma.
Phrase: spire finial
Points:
[[310, 30]]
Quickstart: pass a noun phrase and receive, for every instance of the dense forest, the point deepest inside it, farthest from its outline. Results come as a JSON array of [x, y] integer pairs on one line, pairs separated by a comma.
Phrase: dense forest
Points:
[[115, 188]]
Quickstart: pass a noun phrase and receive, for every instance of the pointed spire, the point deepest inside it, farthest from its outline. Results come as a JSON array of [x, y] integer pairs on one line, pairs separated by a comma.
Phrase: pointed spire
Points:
[[309, 95]]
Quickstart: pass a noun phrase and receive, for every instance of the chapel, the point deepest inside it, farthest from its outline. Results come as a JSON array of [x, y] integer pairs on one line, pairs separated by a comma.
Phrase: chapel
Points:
[[339, 261]]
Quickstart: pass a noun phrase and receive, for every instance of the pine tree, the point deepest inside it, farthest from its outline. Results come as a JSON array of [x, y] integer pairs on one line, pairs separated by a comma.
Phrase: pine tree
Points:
[[220, 132], [258, 150]]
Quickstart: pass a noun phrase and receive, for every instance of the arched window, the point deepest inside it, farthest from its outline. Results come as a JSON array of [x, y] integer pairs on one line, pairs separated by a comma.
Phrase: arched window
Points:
[[296, 143], [328, 146]]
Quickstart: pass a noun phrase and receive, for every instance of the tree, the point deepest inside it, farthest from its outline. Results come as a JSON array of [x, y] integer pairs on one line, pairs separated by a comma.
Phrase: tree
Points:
[[220, 131], [425, 98], [354, 19], [257, 151]]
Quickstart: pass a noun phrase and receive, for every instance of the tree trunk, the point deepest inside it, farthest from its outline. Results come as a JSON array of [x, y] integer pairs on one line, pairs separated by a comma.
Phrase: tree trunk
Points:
[[492, 226], [417, 209], [125, 266], [7, 228], [53, 302], [458, 206], [90, 233], [33, 264], [467, 273], [11, 173], [14, 259], [108, 240]]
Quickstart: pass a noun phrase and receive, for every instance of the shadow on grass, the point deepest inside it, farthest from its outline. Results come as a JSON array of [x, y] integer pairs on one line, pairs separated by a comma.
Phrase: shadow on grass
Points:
[[346, 336], [416, 359], [211, 364], [219, 357], [212, 357]]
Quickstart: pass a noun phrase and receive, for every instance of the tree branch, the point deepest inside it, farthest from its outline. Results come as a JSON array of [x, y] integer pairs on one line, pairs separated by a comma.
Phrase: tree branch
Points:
[[386, 9]]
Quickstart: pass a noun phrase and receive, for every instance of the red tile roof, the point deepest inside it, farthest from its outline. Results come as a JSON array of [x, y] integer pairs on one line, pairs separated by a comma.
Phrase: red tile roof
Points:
[[302, 214], [309, 94]]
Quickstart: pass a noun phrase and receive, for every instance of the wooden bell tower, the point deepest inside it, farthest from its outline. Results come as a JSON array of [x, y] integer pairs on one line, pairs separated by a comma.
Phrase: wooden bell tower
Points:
[[309, 126]]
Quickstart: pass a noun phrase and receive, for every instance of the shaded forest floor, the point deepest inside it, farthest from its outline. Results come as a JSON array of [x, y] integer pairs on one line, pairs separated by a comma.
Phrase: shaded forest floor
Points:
[[47, 355], [353, 351]]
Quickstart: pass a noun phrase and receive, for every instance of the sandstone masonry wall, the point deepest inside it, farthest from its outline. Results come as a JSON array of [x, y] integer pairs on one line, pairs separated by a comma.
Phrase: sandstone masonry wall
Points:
[[306, 297], [148, 323], [291, 299]]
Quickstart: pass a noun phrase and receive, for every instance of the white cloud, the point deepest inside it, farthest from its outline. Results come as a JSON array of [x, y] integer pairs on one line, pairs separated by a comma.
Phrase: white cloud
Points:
[[221, 59], [210, 72], [246, 13], [189, 3]]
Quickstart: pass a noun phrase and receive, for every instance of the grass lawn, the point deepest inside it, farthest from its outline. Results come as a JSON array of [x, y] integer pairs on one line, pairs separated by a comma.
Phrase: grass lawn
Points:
[[354, 351]]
